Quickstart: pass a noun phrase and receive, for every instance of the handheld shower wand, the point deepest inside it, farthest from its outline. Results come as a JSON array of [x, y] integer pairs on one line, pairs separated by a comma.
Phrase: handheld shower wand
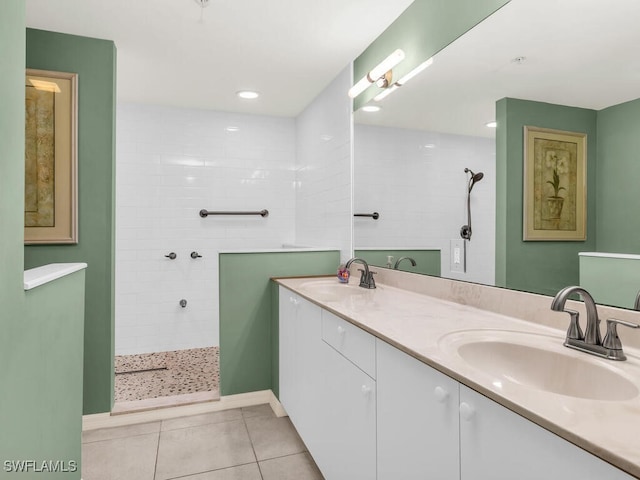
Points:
[[465, 231]]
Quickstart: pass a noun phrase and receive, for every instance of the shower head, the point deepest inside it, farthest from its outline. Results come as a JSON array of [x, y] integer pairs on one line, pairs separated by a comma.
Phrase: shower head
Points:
[[475, 177], [465, 231]]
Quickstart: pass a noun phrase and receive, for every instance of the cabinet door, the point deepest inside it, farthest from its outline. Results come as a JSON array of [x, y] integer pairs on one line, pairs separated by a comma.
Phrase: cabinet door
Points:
[[345, 447], [417, 419], [498, 444], [300, 363], [287, 350]]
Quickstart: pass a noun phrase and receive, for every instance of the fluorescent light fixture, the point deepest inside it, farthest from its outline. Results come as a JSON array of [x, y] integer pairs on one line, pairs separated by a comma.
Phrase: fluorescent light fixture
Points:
[[45, 86], [378, 71], [247, 94], [385, 92], [415, 72], [393, 87], [370, 108], [493, 124]]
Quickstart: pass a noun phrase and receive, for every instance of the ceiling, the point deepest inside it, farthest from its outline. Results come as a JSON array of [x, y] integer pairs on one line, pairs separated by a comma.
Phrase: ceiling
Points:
[[577, 52], [173, 52]]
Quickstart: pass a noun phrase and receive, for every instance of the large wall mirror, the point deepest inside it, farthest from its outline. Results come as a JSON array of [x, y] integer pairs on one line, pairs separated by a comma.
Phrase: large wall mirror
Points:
[[410, 157]]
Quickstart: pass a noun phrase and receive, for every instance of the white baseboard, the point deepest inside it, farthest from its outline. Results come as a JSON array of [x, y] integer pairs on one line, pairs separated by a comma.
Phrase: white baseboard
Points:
[[107, 420]]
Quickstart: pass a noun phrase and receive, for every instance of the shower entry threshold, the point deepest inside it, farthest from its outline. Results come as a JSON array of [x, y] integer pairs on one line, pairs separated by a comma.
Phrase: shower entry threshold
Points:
[[132, 406]]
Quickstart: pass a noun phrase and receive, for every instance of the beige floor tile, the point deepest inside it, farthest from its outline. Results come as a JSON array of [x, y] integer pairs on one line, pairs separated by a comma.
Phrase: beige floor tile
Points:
[[120, 432], [292, 467], [187, 451], [120, 458], [203, 419], [273, 437], [242, 472], [263, 410]]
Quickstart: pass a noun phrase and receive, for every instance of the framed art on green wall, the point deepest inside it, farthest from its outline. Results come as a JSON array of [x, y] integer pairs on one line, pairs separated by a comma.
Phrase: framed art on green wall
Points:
[[50, 210], [555, 199]]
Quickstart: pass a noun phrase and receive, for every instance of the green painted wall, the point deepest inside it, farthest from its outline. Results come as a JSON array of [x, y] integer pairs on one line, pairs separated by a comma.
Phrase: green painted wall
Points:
[[41, 396], [427, 261], [12, 52], [248, 326], [611, 281], [95, 62], [618, 227], [423, 29], [41, 341], [541, 267]]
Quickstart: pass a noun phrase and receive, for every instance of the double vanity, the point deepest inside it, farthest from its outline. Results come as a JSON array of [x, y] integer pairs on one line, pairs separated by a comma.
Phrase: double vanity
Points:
[[425, 377]]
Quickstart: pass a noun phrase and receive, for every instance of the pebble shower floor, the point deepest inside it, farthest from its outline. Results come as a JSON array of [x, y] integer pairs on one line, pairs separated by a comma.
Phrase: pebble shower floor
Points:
[[163, 374]]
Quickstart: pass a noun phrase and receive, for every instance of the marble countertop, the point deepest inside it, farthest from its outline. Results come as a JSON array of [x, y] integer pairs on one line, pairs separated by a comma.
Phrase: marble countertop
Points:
[[429, 329]]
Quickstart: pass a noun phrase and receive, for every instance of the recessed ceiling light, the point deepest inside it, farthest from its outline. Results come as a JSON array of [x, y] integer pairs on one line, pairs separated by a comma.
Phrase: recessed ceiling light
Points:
[[248, 94], [232, 128], [371, 108], [493, 124]]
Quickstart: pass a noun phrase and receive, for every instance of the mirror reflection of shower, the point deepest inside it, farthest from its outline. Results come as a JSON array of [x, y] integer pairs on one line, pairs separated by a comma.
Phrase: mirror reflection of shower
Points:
[[465, 231]]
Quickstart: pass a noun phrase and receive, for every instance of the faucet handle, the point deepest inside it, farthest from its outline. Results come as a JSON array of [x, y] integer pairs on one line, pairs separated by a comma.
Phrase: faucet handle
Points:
[[367, 281], [574, 331], [611, 339]]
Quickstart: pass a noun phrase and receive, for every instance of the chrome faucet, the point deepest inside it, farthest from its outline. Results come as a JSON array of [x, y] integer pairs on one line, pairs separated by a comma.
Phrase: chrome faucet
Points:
[[591, 342], [366, 278], [413, 262]]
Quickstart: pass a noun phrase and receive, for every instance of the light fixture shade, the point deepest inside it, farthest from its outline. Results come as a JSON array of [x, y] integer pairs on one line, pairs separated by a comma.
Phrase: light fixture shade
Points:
[[359, 87], [387, 64], [378, 71], [415, 71], [386, 92]]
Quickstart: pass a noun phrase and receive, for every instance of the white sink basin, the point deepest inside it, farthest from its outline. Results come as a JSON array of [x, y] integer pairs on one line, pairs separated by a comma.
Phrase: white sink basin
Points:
[[540, 362], [332, 290]]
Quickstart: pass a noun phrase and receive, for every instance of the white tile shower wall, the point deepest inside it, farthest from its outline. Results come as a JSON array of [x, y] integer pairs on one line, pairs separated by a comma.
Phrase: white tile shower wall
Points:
[[416, 181], [171, 163], [323, 153]]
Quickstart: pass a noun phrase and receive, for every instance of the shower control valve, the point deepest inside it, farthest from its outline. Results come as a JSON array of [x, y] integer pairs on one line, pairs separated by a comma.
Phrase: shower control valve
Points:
[[195, 255], [171, 256]]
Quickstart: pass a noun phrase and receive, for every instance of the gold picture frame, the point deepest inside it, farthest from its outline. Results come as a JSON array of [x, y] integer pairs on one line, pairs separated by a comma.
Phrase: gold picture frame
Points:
[[51, 162], [555, 185]]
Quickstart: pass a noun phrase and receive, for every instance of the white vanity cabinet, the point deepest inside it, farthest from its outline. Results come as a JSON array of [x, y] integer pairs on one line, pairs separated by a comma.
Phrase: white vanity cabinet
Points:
[[348, 447], [300, 361], [366, 410], [417, 419], [324, 389], [498, 444]]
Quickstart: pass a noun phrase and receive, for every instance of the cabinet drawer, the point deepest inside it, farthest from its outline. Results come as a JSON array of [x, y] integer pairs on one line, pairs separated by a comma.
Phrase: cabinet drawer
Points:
[[354, 343]]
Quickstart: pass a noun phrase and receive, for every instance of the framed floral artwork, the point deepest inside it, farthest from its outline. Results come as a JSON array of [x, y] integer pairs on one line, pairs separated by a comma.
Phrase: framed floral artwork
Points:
[[555, 185], [50, 209]]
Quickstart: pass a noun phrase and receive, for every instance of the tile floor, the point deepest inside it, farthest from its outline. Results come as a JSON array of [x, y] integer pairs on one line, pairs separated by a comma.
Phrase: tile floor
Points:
[[164, 374], [248, 443]]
